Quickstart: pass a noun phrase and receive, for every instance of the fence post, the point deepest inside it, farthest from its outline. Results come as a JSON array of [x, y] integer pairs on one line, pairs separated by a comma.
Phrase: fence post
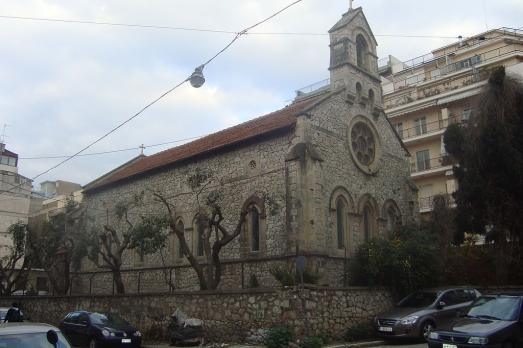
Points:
[[139, 280]]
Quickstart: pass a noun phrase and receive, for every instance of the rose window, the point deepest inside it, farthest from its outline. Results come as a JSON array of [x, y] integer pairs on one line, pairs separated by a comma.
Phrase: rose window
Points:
[[363, 143]]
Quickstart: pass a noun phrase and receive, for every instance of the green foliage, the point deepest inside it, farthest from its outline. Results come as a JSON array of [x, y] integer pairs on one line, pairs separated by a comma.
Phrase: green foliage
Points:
[[150, 234], [253, 281], [278, 337], [406, 262], [358, 332], [489, 152], [287, 276], [312, 342], [18, 233]]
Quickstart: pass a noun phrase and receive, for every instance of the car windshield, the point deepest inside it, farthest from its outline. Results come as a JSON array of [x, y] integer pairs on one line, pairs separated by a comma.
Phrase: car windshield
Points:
[[418, 299], [32, 340], [500, 308], [107, 319]]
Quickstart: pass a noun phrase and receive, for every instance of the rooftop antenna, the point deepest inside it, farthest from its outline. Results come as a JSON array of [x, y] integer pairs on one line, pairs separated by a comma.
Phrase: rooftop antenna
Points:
[[2, 138]]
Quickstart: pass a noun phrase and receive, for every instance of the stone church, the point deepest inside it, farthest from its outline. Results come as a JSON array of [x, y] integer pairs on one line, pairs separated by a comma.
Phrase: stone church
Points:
[[318, 177]]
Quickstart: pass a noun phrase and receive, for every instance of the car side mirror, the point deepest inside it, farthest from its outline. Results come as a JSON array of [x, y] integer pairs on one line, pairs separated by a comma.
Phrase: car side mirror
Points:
[[440, 305], [52, 337]]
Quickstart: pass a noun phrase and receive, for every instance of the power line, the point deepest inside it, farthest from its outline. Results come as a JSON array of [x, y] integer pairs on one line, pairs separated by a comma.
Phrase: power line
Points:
[[112, 151], [236, 37], [206, 30]]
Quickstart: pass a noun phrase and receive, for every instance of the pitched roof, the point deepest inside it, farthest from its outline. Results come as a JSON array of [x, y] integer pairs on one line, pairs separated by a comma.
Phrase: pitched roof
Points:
[[263, 125], [349, 17]]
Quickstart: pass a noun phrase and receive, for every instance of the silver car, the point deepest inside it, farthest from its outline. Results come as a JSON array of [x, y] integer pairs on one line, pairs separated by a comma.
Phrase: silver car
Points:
[[31, 335], [422, 311]]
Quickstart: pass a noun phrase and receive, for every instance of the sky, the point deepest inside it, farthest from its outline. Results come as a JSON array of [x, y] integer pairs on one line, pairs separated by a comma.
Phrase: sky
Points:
[[63, 85]]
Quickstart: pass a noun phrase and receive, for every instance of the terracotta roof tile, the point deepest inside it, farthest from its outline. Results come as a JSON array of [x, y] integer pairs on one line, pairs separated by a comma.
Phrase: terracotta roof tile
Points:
[[280, 119]]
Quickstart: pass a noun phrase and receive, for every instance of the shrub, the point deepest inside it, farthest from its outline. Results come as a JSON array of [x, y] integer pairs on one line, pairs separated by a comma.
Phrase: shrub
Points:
[[312, 342], [407, 262], [289, 277], [358, 332], [278, 337]]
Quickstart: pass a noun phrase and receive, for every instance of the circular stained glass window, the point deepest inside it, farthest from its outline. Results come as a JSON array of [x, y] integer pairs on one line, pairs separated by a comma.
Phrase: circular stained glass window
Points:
[[363, 143]]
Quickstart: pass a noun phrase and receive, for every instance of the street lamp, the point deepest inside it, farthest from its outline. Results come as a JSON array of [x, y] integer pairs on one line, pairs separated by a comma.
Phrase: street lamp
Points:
[[197, 80]]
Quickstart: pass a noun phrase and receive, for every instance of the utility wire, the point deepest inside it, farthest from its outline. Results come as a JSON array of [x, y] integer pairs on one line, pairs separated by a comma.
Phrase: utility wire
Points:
[[112, 151], [206, 30], [238, 35]]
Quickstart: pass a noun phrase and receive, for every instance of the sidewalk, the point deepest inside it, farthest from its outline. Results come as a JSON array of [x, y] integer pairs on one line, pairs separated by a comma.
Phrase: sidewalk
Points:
[[336, 345]]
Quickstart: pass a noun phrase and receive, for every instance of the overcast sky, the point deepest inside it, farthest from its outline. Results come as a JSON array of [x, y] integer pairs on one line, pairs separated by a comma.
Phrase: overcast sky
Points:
[[63, 85]]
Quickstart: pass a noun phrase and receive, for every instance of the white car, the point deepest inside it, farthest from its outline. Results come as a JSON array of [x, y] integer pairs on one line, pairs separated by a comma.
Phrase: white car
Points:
[[31, 335]]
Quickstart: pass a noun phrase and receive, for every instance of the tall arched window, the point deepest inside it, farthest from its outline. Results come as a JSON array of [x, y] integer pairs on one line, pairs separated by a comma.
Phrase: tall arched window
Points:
[[392, 219], [254, 228], [200, 230], [180, 227], [371, 97], [367, 223], [361, 51], [341, 212]]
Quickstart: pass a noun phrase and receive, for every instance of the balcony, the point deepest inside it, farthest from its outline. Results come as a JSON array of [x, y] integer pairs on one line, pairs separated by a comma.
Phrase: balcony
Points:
[[446, 76], [426, 204], [424, 131], [430, 167]]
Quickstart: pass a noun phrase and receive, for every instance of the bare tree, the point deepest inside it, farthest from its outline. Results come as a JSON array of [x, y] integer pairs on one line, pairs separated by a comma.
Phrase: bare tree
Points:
[[105, 246], [15, 265]]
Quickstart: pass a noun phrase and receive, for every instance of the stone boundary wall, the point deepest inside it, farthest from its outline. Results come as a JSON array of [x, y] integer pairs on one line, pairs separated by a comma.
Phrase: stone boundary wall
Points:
[[228, 315]]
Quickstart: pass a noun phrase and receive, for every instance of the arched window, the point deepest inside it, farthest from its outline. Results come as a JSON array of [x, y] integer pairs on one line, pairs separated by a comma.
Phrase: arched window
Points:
[[199, 237], [367, 228], [253, 235], [341, 212], [371, 97], [254, 228], [392, 215], [180, 227], [361, 51], [392, 219]]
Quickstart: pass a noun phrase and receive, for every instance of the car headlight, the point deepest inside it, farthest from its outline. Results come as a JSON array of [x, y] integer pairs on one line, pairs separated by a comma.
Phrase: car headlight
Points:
[[138, 334], [409, 320], [433, 335], [478, 340], [105, 332]]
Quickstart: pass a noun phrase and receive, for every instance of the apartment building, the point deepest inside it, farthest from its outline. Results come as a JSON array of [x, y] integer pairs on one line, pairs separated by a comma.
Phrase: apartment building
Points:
[[426, 94], [15, 196]]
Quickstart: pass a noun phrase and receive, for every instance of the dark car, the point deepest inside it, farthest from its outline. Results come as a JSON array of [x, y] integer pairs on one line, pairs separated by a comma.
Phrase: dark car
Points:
[[99, 329], [422, 311], [31, 335], [491, 321]]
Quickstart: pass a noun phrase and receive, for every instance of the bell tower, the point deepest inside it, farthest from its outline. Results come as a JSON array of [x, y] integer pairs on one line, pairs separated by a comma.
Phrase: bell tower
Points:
[[353, 59]]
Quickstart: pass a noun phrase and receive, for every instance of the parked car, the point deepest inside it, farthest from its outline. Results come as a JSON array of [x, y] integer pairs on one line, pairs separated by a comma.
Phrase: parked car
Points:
[[31, 335], [99, 329], [491, 321], [3, 312], [422, 311]]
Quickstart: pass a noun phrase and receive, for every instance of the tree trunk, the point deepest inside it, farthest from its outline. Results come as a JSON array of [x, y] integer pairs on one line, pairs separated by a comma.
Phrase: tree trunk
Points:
[[118, 282]]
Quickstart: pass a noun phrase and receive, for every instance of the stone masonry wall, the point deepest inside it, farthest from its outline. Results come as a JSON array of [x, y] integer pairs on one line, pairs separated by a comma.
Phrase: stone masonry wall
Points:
[[254, 170], [228, 315]]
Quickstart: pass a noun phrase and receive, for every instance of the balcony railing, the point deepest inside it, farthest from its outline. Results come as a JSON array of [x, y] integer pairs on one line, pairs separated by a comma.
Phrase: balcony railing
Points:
[[427, 203], [410, 83], [430, 163], [428, 128], [313, 87]]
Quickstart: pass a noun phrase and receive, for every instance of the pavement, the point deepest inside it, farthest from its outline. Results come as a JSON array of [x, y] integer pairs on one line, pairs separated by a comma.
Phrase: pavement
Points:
[[375, 344]]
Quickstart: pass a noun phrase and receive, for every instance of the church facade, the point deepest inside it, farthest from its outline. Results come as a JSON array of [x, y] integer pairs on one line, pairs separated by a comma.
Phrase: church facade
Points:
[[318, 178]]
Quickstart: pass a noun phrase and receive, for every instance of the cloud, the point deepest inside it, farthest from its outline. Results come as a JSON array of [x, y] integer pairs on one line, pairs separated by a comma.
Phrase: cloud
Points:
[[64, 85]]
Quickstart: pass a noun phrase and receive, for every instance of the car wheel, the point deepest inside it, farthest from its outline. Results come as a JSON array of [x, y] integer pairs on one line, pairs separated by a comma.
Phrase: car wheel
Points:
[[426, 328], [92, 343]]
